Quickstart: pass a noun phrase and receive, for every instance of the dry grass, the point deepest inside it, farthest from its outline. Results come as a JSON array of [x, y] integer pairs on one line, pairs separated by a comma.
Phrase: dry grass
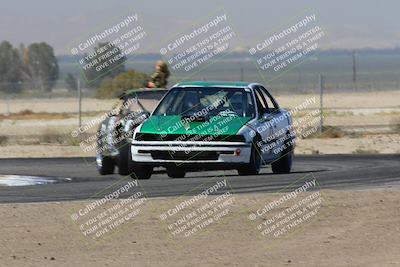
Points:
[[49, 137], [396, 125], [3, 139], [365, 151], [327, 132], [28, 114]]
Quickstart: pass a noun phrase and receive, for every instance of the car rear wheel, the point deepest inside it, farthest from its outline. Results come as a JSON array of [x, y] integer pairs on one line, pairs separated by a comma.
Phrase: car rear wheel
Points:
[[254, 166], [105, 165], [176, 173]]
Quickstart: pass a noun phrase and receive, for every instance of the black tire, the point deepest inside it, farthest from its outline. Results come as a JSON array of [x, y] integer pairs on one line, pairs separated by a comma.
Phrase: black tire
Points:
[[123, 158], [105, 165], [137, 170], [254, 166], [141, 172], [176, 173], [285, 161], [283, 164]]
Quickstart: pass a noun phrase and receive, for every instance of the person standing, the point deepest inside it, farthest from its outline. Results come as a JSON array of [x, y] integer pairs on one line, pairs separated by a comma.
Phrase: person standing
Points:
[[160, 76]]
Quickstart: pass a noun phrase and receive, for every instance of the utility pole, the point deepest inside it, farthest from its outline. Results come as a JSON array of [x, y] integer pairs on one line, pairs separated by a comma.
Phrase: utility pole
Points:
[[241, 72], [8, 105], [78, 82], [354, 70], [321, 102], [298, 80]]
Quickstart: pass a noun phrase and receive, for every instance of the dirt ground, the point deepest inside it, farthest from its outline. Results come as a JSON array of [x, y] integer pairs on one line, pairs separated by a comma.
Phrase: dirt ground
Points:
[[67, 125], [351, 228], [380, 143], [371, 144]]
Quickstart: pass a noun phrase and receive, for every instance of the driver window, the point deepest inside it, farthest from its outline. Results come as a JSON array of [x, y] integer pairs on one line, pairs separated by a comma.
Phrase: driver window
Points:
[[261, 105], [272, 106]]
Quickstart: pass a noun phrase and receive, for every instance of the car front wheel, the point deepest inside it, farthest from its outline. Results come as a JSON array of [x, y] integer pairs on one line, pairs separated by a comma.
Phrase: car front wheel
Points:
[[176, 173], [105, 165], [141, 172], [254, 166], [137, 170], [283, 164]]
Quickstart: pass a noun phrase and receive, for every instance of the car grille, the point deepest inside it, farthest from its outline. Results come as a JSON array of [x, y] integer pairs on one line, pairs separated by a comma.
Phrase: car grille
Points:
[[182, 155], [188, 137]]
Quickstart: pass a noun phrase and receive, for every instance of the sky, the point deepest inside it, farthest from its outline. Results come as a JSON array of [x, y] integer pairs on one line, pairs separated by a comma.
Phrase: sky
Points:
[[63, 24]]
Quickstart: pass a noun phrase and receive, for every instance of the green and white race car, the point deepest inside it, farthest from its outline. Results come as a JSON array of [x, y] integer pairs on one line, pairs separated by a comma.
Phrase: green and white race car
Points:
[[213, 125]]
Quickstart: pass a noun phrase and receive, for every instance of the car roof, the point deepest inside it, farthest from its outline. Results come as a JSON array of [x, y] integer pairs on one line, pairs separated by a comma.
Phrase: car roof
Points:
[[213, 84]]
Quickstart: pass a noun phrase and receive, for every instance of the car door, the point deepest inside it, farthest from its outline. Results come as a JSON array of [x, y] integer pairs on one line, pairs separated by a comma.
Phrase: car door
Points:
[[280, 126], [265, 126]]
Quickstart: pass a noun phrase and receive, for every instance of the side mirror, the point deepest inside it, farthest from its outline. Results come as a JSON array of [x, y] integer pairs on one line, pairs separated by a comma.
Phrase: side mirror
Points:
[[267, 117]]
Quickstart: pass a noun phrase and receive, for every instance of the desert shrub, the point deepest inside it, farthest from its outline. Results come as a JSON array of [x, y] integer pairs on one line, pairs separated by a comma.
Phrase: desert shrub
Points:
[[25, 112], [52, 136], [112, 87], [327, 132], [365, 151], [395, 124], [3, 139]]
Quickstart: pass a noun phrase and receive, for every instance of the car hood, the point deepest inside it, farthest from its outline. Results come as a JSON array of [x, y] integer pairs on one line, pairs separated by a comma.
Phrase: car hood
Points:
[[222, 125]]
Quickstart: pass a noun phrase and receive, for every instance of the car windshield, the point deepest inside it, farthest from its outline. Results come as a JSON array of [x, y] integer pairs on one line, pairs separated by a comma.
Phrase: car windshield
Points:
[[207, 101]]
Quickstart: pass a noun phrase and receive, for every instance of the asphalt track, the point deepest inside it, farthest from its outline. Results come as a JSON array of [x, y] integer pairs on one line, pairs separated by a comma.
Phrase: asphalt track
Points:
[[341, 172]]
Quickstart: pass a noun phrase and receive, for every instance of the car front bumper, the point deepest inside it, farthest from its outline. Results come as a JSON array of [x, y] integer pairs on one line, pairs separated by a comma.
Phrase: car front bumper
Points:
[[184, 153]]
